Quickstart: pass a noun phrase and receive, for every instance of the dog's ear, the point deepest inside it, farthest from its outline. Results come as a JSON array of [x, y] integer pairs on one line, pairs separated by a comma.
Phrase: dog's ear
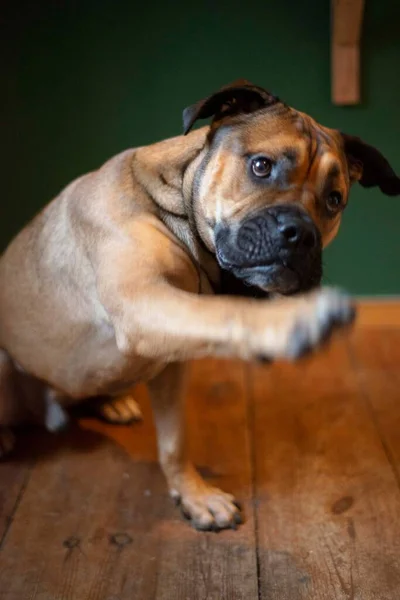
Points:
[[238, 97], [369, 167]]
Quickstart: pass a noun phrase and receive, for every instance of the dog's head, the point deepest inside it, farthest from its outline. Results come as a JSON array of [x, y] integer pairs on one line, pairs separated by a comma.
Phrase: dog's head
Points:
[[269, 192]]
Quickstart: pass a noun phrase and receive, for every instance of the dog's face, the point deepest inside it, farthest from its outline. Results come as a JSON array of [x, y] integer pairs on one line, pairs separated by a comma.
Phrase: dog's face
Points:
[[271, 188]]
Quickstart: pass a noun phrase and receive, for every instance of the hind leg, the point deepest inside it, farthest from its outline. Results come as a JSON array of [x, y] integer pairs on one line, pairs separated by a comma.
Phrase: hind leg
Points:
[[24, 398]]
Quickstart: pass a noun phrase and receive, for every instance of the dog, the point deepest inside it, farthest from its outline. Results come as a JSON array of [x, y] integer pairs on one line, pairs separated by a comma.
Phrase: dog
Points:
[[161, 256]]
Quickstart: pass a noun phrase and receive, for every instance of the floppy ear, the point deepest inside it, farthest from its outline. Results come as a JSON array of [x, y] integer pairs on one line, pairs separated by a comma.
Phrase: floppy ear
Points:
[[369, 166], [238, 97]]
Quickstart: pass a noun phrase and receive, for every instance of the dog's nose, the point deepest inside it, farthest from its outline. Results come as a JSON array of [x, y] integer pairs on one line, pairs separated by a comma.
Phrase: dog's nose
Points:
[[297, 232]]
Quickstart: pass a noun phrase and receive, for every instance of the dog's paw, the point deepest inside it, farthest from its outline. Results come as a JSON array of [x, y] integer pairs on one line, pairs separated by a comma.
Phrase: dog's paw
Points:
[[120, 411], [328, 309], [209, 509], [7, 441]]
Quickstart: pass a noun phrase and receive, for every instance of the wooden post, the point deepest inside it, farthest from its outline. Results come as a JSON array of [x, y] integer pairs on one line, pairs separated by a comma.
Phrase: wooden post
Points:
[[347, 18]]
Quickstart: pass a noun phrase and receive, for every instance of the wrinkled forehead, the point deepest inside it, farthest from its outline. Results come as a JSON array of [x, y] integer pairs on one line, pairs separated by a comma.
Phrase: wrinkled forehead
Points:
[[284, 132], [285, 127]]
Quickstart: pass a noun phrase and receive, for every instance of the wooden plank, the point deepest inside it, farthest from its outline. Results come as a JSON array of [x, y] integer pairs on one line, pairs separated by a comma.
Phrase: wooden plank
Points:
[[87, 508], [378, 313], [376, 358], [14, 474], [96, 523], [347, 18], [328, 501], [224, 565]]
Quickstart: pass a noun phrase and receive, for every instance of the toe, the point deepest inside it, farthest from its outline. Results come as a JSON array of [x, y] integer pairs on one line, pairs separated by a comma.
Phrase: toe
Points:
[[133, 408], [299, 341], [334, 310], [232, 505], [213, 512], [335, 306], [346, 311], [226, 515], [123, 410], [198, 515], [109, 412]]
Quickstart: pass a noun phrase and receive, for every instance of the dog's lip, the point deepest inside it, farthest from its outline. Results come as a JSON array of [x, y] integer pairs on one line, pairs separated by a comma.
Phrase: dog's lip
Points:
[[222, 262], [246, 273], [253, 268], [231, 266]]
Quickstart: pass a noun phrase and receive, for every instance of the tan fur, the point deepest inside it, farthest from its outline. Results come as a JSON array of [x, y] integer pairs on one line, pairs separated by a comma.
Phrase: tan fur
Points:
[[109, 284]]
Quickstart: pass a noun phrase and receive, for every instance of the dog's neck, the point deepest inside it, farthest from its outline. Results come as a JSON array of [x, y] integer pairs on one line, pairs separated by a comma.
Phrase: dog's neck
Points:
[[167, 172]]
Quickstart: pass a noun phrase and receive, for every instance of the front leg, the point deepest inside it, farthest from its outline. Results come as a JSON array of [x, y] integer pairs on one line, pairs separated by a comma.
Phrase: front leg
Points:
[[157, 313], [207, 507]]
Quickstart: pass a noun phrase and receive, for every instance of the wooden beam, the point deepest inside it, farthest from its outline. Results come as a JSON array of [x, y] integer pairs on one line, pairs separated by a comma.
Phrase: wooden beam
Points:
[[347, 18]]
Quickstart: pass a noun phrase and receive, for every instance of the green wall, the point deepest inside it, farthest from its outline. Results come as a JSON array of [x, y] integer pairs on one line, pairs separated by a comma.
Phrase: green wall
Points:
[[83, 80]]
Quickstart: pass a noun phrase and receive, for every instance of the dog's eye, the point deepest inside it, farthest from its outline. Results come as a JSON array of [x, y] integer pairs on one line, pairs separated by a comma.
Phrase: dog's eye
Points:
[[261, 166], [334, 202]]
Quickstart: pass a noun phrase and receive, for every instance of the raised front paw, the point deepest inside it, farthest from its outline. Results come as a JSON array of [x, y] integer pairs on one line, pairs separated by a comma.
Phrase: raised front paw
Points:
[[296, 326], [327, 310]]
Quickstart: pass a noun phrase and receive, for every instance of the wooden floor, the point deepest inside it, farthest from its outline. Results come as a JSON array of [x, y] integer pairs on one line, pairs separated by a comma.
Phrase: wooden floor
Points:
[[312, 450]]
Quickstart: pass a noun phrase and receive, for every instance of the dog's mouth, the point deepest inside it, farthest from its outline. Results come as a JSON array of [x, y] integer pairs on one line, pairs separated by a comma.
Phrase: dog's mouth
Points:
[[271, 276], [278, 249]]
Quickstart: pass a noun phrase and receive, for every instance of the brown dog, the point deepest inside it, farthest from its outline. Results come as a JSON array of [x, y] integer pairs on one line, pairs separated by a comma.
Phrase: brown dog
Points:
[[111, 283]]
